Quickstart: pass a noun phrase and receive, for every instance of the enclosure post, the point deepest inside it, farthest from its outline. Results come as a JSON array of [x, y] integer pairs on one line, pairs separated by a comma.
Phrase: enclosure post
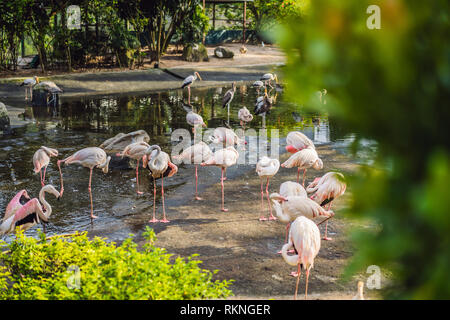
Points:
[[244, 21]]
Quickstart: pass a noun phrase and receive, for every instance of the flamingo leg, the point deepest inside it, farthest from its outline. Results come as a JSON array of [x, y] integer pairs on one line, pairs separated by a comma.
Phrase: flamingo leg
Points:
[[43, 180], [298, 174], [153, 220], [40, 173], [137, 178], [326, 226], [223, 195], [60, 178], [268, 202], [262, 218], [304, 176], [90, 195], [306, 287], [286, 240], [189, 94], [164, 220], [196, 181], [299, 272]]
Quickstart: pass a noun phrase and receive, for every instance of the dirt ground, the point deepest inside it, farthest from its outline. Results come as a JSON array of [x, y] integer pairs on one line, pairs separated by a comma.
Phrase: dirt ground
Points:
[[245, 249]]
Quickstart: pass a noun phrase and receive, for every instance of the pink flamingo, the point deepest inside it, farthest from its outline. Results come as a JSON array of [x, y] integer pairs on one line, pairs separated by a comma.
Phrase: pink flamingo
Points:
[[225, 136], [135, 151], [223, 158], [27, 215], [158, 162], [304, 159], [195, 154], [244, 116], [297, 141], [326, 189], [290, 188], [41, 159], [195, 120], [304, 238], [121, 140], [92, 157], [266, 169]]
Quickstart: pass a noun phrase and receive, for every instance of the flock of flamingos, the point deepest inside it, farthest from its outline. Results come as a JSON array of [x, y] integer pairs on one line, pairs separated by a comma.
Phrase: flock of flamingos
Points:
[[292, 204]]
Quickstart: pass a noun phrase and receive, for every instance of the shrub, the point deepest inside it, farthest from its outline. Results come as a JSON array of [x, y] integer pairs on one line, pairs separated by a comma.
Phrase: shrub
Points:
[[46, 269]]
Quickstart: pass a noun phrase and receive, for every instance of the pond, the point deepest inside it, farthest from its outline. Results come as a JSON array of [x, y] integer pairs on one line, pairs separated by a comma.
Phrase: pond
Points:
[[87, 121]]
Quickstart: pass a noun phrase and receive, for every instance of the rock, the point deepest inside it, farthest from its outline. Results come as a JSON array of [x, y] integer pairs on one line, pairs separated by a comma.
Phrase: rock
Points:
[[195, 53], [223, 53], [4, 118]]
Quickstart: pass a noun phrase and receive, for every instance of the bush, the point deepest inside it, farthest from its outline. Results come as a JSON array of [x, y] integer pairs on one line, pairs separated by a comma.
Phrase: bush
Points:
[[45, 269]]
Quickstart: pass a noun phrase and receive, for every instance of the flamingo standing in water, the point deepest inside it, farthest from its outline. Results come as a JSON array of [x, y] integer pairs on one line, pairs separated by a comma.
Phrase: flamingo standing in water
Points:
[[304, 238], [158, 162], [266, 169], [226, 137], [41, 159], [326, 189], [91, 158], [29, 84], [223, 158], [135, 151], [196, 154], [27, 215], [244, 116], [188, 82], [195, 120], [121, 140], [304, 159]]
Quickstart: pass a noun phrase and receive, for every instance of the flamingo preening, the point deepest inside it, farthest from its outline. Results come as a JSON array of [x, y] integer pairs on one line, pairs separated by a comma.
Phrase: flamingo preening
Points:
[[195, 120], [226, 137], [290, 188], [41, 159], [304, 159], [288, 208], [297, 141], [196, 154], [50, 87], [91, 158], [188, 82], [268, 77], [326, 189], [158, 162], [244, 116], [304, 238], [223, 158], [27, 215], [135, 151], [121, 140], [29, 84], [266, 169], [227, 98]]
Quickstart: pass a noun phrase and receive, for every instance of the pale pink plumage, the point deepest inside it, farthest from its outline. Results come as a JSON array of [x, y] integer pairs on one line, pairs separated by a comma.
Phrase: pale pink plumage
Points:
[[227, 137], [266, 169], [41, 159], [136, 151], [304, 159], [297, 141]]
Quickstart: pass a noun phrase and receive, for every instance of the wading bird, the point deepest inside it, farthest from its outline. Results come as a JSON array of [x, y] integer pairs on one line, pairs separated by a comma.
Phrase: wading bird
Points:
[[326, 189], [226, 137], [304, 238], [195, 120], [289, 208], [268, 77], [29, 84], [121, 140], [304, 159], [227, 98], [266, 169], [41, 159], [27, 215], [290, 188], [244, 116], [158, 163], [196, 154], [297, 141], [91, 158], [135, 151], [188, 82], [223, 158], [258, 85], [49, 87]]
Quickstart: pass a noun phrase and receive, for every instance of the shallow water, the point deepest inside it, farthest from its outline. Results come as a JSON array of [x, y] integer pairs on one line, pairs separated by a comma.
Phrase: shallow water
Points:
[[82, 122]]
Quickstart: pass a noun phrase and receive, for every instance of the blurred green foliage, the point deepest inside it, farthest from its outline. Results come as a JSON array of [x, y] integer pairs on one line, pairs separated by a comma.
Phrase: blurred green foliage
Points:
[[390, 85], [47, 269]]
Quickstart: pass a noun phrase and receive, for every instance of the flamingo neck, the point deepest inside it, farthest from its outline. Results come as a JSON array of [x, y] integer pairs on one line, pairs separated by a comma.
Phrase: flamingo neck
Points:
[[279, 211], [47, 207]]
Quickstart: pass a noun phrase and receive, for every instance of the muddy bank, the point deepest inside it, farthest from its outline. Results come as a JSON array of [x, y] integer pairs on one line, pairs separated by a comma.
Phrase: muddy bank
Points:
[[244, 249]]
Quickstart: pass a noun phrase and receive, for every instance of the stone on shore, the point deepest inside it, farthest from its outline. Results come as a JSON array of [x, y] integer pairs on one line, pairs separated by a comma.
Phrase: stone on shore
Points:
[[223, 53], [4, 118], [195, 53]]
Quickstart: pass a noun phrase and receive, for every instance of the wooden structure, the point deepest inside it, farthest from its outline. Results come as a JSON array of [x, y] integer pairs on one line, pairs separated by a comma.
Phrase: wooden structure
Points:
[[244, 14]]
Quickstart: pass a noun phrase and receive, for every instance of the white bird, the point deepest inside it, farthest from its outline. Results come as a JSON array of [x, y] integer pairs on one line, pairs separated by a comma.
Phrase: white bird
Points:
[[29, 84], [304, 159], [41, 159], [27, 215], [195, 120], [227, 98], [297, 141], [290, 188], [135, 151], [266, 169], [121, 140], [158, 163], [359, 295], [326, 189], [223, 158], [188, 82], [244, 116], [49, 87], [268, 77], [196, 154], [258, 85], [289, 208], [226, 137], [304, 238]]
